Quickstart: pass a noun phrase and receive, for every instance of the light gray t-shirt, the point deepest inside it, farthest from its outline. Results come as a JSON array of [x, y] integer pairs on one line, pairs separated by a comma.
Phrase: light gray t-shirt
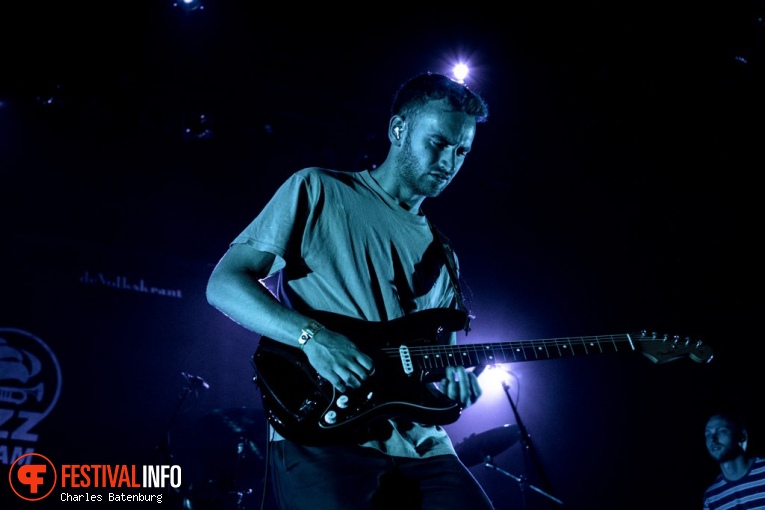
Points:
[[343, 245]]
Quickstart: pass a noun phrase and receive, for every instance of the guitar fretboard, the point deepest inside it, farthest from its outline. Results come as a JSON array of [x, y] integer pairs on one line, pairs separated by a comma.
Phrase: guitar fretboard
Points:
[[469, 355], [658, 349]]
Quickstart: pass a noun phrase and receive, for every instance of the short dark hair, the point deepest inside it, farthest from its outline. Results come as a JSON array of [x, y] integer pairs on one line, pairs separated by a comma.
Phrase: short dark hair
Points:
[[735, 418], [425, 87]]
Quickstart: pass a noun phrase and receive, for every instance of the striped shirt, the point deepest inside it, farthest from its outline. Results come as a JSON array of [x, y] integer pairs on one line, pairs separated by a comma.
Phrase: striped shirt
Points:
[[746, 493]]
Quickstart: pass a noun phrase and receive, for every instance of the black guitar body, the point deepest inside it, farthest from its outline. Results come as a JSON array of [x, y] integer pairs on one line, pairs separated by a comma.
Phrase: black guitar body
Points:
[[304, 407]]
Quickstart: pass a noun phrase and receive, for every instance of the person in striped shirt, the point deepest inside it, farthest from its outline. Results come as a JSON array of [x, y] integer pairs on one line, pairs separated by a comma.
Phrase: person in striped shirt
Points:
[[741, 482]]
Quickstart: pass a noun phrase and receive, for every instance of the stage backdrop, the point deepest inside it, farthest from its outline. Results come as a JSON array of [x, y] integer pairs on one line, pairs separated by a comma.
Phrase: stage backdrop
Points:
[[94, 345]]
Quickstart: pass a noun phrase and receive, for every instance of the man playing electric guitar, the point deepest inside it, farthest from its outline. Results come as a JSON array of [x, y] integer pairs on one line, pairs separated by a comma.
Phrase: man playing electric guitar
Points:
[[358, 245]]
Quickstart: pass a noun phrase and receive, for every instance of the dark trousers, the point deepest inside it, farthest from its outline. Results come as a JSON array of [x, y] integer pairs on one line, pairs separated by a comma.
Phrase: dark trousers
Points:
[[356, 478]]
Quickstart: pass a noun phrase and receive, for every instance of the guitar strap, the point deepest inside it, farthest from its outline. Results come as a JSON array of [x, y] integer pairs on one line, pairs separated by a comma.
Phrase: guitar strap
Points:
[[451, 267]]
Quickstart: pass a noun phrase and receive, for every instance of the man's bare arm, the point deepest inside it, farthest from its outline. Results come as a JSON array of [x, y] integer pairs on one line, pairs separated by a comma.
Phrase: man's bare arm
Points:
[[235, 288]]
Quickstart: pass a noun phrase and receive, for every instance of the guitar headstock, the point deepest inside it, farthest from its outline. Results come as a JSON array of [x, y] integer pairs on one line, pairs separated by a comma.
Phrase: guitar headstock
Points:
[[664, 348]]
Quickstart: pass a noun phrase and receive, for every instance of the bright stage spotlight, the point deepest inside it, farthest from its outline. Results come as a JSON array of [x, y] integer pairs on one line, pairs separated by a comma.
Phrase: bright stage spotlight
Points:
[[463, 66], [496, 375], [460, 71]]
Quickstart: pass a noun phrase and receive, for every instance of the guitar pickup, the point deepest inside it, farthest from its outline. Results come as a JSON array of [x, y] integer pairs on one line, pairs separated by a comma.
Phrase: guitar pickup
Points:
[[406, 360]]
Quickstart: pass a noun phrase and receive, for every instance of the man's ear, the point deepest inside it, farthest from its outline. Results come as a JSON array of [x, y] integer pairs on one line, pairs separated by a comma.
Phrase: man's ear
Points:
[[396, 128]]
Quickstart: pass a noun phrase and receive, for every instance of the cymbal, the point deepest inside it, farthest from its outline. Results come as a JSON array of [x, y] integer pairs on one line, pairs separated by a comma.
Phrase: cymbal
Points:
[[474, 449]]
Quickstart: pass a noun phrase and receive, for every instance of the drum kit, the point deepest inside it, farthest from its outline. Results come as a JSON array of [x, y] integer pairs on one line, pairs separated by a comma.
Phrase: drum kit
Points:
[[224, 458], [480, 449], [223, 455]]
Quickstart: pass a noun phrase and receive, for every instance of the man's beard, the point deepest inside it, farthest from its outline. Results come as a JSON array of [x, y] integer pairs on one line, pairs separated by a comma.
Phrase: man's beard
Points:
[[728, 453], [421, 184]]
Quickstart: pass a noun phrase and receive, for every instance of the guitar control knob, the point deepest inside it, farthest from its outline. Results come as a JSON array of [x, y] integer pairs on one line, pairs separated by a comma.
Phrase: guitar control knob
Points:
[[330, 417], [342, 401]]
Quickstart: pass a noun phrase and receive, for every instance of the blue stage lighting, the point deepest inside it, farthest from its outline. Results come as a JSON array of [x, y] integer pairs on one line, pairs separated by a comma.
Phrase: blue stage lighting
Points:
[[189, 5]]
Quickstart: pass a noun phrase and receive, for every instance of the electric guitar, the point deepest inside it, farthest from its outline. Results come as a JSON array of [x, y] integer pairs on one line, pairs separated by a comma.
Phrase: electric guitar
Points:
[[409, 353]]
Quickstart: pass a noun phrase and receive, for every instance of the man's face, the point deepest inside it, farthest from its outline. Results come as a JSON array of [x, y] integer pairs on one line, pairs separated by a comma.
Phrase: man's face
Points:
[[434, 148], [722, 439]]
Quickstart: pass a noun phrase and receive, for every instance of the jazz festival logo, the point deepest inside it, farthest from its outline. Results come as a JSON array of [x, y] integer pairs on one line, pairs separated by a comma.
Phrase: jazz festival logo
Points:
[[30, 385]]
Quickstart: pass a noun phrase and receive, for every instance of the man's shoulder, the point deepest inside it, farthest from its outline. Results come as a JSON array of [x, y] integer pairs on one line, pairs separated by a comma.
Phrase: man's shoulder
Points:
[[324, 177], [758, 466], [325, 173]]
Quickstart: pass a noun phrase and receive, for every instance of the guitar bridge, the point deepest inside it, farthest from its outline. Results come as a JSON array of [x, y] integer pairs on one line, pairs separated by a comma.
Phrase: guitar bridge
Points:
[[306, 409]]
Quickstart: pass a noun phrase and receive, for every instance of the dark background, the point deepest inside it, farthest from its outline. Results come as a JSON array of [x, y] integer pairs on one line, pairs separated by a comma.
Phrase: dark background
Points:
[[615, 188]]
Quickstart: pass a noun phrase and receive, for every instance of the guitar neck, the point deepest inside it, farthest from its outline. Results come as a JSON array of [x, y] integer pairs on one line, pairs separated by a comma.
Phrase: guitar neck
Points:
[[472, 355], [429, 356]]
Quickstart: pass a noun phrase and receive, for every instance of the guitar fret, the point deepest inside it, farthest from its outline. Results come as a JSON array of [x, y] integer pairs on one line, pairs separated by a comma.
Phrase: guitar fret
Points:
[[490, 356]]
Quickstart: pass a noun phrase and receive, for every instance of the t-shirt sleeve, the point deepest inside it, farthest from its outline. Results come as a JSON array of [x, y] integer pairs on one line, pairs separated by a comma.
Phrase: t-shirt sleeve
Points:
[[279, 226]]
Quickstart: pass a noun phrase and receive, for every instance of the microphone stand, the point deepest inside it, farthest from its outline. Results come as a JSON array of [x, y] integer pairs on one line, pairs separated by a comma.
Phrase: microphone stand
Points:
[[525, 444], [194, 383], [236, 492], [521, 482], [164, 454]]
